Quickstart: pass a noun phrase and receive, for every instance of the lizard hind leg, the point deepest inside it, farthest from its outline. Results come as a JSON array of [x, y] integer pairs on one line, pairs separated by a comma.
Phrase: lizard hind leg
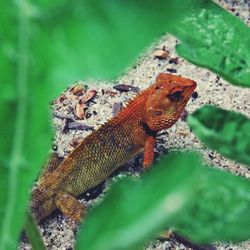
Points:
[[70, 206]]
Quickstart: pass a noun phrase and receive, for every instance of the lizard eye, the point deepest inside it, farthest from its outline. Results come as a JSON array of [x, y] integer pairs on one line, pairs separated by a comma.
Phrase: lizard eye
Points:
[[158, 113], [176, 96]]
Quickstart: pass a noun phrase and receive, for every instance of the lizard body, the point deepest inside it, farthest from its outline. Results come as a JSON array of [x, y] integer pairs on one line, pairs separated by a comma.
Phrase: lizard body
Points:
[[132, 131]]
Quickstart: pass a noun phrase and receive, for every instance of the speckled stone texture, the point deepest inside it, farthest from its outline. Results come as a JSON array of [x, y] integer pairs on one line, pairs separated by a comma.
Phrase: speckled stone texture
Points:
[[59, 232]]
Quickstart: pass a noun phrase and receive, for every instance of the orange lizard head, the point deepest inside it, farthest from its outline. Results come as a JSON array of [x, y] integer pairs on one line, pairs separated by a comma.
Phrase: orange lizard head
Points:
[[168, 98]]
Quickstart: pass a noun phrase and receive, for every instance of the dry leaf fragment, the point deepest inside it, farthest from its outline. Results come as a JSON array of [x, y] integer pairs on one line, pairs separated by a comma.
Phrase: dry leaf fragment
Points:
[[111, 93], [76, 141], [184, 133], [126, 88], [79, 126], [62, 97], [80, 110], [174, 60], [117, 107], [63, 116], [90, 94], [70, 96], [161, 54], [78, 89]]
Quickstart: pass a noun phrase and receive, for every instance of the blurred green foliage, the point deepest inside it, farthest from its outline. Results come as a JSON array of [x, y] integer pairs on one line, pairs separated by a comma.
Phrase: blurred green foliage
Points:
[[47, 44], [220, 210], [224, 131], [44, 46], [204, 204], [135, 210], [33, 233]]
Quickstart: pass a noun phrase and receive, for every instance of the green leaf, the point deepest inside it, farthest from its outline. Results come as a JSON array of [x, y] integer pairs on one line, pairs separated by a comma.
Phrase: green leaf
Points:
[[202, 203], [213, 38], [44, 43], [135, 210], [220, 211], [97, 39], [25, 131], [224, 131], [33, 233]]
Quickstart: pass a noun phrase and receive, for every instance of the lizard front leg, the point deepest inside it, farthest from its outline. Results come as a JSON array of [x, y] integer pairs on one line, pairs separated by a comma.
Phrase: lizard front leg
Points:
[[70, 206], [149, 151]]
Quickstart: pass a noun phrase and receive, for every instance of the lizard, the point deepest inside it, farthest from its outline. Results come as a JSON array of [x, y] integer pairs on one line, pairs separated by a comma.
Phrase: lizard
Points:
[[132, 131]]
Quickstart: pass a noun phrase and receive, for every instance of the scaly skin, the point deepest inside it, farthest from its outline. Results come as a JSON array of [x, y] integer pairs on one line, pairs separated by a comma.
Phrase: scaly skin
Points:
[[132, 131]]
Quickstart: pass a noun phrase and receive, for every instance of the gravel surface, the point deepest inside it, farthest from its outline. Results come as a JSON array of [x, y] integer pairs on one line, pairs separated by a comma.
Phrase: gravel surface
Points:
[[59, 232]]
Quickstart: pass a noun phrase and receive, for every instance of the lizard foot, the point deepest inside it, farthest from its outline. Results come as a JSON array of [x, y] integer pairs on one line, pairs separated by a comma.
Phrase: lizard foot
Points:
[[70, 206]]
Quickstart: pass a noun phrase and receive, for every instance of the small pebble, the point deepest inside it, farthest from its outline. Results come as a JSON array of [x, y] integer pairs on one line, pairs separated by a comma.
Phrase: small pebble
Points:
[[78, 89], [161, 54], [117, 107], [126, 88], [172, 70], [194, 95], [174, 60], [79, 126]]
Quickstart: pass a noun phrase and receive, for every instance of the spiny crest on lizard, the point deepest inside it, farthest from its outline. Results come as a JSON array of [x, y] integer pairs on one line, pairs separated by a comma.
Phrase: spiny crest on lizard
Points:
[[167, 100]]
